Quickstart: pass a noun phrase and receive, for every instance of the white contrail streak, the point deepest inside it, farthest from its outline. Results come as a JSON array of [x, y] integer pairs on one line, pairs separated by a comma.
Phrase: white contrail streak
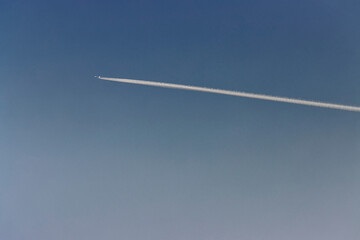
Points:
[[235, 93]]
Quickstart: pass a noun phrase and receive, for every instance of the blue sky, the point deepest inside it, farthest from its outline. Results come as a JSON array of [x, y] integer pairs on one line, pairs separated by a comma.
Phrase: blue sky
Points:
[[84, 158]]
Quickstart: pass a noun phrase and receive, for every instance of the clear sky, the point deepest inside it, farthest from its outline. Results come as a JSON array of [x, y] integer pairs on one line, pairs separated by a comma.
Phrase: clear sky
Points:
[[82, 158]]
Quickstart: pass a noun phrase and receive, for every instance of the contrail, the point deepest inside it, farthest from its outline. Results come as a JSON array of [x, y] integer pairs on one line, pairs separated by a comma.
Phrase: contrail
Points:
[[235, 93]]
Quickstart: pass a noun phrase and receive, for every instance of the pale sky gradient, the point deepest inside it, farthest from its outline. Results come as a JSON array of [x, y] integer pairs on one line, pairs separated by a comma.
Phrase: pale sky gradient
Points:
[[82, 158]]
